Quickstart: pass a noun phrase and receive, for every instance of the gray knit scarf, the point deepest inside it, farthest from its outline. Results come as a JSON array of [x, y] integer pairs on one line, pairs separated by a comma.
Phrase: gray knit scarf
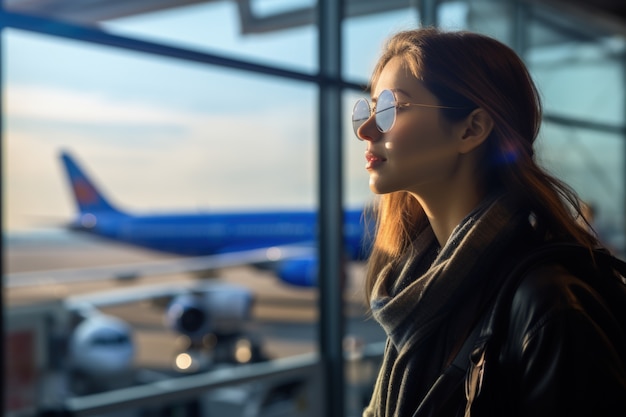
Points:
[[422, 294]]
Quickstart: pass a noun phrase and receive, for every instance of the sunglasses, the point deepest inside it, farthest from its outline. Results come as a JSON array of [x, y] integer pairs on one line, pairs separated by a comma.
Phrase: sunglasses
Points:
[[384, 111]]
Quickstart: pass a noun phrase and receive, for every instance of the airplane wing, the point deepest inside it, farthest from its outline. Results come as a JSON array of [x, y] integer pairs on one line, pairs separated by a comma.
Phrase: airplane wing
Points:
[[114, 297], [165, 267]]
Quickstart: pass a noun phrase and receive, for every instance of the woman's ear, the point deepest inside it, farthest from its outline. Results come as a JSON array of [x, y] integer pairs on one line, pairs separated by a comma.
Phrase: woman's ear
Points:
[[477, 127]]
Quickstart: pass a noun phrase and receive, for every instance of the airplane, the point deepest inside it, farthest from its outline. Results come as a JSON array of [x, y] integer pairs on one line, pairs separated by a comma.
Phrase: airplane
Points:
[[283, 241]]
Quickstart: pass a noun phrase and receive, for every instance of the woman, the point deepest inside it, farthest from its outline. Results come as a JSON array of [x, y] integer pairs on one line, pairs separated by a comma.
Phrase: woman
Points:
[[449, 147]]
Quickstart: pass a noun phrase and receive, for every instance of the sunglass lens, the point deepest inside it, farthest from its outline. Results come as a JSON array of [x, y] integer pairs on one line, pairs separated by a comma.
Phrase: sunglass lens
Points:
[[385, 111], [360, 114]]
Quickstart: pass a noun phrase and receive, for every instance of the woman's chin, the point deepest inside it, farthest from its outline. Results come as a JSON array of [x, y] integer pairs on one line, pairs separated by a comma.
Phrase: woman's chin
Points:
[[377, 187]]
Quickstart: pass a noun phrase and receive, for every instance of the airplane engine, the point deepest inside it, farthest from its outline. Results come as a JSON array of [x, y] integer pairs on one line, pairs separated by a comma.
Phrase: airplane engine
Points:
[[217, 309], [101, 345], [301, 272], [187, 314]]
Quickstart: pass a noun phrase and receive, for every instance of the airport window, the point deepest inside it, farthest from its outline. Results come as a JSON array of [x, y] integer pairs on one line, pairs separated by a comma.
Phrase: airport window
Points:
[[212, 108]]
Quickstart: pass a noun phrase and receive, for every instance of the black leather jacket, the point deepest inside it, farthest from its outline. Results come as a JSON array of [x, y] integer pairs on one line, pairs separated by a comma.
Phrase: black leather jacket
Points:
[[559, 356]]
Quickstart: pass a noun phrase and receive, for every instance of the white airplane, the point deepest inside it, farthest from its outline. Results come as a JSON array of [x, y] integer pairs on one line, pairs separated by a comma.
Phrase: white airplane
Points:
[[211, 315]]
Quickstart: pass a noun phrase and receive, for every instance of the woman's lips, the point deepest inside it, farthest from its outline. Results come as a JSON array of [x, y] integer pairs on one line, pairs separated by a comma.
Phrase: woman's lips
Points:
[[373, 160]]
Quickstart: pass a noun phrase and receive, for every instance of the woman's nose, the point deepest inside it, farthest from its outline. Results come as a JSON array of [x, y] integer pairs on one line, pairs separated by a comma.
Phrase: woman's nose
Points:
[[368, 130]]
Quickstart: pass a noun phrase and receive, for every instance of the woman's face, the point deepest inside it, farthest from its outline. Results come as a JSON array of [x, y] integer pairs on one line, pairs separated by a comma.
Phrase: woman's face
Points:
[[419, 154]]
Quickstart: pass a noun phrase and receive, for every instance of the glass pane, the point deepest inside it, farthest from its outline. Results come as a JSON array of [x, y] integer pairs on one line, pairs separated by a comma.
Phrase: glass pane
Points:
[[581, 81], [218, 139], [155, 136], [592, 163], [364, 37]]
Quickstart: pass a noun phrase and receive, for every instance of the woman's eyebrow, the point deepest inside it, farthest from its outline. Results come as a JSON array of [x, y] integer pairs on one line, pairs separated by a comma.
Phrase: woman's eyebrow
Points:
[[395, 90], [401, 91]]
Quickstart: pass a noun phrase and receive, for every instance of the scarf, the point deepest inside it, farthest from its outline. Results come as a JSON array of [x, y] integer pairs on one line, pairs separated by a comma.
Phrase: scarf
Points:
[[428, 301]]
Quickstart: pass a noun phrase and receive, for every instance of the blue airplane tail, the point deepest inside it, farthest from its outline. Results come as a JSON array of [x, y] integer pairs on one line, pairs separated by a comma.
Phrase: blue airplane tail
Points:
[[87, 197]]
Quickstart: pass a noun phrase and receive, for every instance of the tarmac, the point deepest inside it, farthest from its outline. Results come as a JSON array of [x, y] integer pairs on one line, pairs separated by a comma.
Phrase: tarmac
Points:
[[284, 318]]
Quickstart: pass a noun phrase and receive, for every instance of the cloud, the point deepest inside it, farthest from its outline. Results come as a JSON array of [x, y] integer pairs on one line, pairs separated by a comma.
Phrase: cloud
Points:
[[44, 103]]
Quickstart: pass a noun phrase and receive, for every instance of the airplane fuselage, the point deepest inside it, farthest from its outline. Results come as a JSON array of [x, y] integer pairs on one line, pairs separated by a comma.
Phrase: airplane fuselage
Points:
[[213, 233]]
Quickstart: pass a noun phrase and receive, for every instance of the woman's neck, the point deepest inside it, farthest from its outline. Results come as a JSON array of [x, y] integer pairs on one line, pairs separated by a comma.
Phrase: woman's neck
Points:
[[448, 209]]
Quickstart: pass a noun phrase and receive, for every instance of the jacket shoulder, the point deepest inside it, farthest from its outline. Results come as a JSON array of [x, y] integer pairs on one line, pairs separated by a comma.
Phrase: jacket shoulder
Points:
[[550, 292], [551, 287]]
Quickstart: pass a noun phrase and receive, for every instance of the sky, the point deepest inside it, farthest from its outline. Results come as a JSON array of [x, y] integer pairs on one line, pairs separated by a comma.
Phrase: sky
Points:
[[165, 135]]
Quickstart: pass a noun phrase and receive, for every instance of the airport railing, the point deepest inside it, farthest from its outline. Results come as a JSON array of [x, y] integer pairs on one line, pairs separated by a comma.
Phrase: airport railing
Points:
[[300, 375], [283, 387]]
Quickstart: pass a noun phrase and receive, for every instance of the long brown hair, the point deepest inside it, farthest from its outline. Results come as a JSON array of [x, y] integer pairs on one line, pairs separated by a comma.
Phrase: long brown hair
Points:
[[469, 70]]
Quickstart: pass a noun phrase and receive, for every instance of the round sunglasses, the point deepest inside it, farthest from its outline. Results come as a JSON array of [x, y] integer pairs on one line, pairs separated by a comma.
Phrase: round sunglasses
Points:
[[384, 111]]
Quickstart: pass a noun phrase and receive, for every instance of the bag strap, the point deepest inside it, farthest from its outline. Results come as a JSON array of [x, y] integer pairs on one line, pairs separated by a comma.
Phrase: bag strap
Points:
[[451, 379], [453, 376]]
